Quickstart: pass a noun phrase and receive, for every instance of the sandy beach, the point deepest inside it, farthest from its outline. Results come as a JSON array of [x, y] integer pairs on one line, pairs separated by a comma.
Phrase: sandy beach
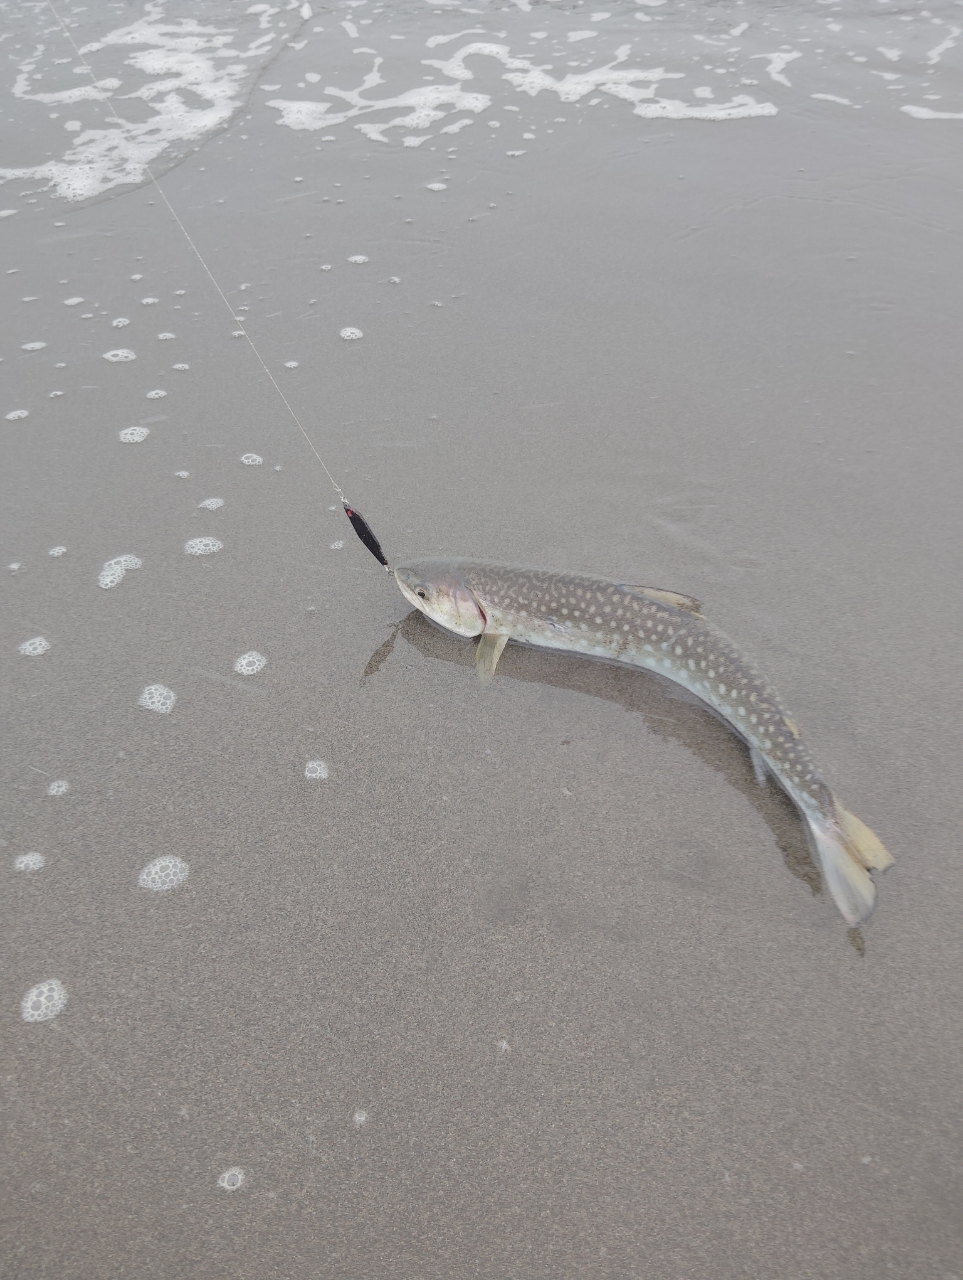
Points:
[[529, 980]]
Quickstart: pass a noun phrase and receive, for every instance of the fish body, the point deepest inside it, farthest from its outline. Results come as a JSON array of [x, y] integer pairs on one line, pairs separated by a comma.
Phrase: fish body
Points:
[[664, 632]]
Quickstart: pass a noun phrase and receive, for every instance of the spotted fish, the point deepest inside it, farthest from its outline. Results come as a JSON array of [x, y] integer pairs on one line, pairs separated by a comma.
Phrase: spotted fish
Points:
[[664, 632]]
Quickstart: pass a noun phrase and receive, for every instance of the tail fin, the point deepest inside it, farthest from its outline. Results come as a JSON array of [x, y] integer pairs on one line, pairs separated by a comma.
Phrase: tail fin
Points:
[[846, 849]]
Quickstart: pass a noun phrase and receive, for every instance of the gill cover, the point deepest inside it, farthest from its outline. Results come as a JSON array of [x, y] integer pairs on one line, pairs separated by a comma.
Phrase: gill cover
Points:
[[440, 592]]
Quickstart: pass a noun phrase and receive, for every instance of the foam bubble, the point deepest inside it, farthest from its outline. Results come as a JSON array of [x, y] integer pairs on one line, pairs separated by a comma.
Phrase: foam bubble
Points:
[[44, 1001], [17, 415], [182, 475], [249, 664], [72, 302], [59, 787], [114, 570], [29, 862], [232, 1179], [350, 333], [120, 355], [358, 258], [35, 647], [211, 504], [290, 364], [56, 551], [437, 186], [251, 459], [336, 546], [163, 873], [181, 368], [360, 1117], [137, 277], [120, 322], [316, 769], [32, 346], [148, 302], [156, 395], [157, 697], [53, 395], [202, 546], [166, 337], [394, 279], [133, 435]]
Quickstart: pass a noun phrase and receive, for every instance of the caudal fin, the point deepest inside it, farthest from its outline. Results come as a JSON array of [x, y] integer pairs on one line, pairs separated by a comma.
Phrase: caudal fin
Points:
[[846, 849]]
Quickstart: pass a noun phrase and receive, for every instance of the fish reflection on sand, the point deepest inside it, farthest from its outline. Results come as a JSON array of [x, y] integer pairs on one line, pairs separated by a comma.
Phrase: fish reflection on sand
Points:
[[663, 632]]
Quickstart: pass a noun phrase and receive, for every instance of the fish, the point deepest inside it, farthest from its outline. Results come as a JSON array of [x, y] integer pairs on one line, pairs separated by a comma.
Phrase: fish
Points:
[[664, 632]]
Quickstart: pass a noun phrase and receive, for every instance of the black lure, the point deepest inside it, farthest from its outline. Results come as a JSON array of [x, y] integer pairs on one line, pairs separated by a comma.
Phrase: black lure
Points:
[[363, 530]]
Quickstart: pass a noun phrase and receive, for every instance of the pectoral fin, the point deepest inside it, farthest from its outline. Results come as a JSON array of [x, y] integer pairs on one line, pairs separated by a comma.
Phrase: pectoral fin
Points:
[[490, 648], [672, 598]]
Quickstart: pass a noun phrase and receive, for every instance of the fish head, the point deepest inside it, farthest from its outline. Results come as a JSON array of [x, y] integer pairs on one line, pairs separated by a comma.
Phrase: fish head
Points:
[[440, 591]]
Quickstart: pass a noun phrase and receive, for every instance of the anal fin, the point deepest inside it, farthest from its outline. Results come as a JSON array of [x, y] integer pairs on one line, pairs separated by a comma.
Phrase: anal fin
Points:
[[758, 765], [490, 649]]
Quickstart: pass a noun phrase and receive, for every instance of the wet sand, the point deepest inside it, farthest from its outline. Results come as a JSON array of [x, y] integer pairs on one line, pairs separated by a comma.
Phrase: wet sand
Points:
[[539, 981]]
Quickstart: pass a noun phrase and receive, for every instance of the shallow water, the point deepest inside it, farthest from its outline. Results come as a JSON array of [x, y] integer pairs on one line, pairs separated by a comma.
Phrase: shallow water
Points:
[[319, 958]]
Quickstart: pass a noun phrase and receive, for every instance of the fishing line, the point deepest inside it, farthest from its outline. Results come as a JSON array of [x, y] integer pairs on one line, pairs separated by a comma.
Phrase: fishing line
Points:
[[358, 522]]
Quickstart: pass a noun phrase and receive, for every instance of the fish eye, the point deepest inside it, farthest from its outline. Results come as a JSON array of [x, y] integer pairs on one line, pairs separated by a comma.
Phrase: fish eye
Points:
[[421, 593]]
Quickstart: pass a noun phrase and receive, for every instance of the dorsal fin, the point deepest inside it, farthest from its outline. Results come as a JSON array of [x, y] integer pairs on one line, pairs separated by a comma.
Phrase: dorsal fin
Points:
[[672, 598]]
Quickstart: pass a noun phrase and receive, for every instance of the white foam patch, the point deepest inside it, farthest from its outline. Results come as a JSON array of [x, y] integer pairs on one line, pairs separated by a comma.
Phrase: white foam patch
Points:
[[59, 787], [156, 395], [120, 355], [120, 322], [44, 1001], [777, 63], [113, 571], [249, 664], [358, 258], [32, 346], [35, 647], [919, 113], [72, 302], [316, 769], [211, 504], [234, 1178], [157, 697], [17, 414], [202, 546], [424, 106], [437, 186], [181, 368], [133, 435], [251, 459], [56, 551], [350, 334], [182, 475], [165, 337], [290, 364], [29, 862], [164, 873], [360, 1117]]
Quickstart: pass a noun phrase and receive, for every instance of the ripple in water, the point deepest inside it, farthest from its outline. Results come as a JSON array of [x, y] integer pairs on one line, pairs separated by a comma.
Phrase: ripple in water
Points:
[[249, 664], [44, 1001], [157, 697], [202, 546], [163, 874], [35, 647]]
